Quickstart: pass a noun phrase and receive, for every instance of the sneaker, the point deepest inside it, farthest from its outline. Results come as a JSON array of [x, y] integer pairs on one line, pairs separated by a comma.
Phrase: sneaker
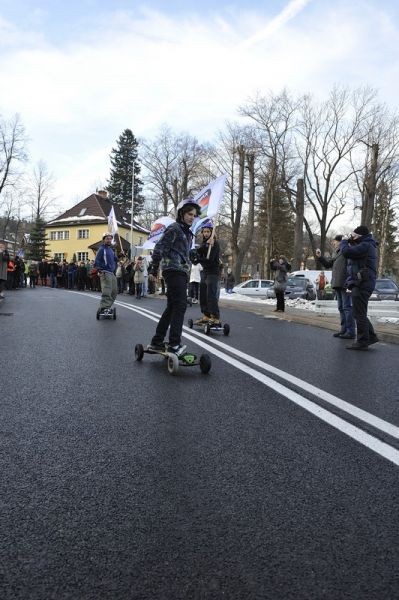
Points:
[[347, 336], [157, 346], [194, 301], [339, 334], [179, 350], [373, 340], [202, 320], [215, 321]]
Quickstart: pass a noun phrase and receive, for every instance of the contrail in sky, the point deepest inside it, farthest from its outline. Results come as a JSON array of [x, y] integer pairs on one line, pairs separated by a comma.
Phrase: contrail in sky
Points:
[[288, 13]]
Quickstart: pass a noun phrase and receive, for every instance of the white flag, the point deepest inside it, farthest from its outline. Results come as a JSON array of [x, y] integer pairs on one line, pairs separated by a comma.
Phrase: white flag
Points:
[[157, 230], [112, 222], [209, 200]]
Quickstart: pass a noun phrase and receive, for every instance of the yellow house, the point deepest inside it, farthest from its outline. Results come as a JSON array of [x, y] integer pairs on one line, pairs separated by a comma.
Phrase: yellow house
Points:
[[79, 230]]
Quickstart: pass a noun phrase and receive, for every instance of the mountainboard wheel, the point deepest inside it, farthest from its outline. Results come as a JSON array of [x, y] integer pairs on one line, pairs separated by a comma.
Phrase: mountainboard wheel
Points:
[[205, 363], [114, 313], [226, 329], [98, 314], [207, 329], [190, 323], [173, 364], [139, 352]]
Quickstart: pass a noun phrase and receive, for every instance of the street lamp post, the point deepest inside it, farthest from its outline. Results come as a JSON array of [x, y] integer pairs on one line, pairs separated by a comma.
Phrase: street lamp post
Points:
[[131, 216]]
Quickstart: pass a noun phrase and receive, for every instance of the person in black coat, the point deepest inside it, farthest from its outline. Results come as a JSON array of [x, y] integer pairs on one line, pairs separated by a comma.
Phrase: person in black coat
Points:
[[360, 250], [211, 273]]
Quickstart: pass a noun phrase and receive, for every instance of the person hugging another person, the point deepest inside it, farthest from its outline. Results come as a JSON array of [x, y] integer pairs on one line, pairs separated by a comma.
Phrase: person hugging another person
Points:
[[211, 268], [282, 268]]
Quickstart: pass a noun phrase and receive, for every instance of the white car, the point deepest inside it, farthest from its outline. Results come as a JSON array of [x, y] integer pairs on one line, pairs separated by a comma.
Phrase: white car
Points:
[[257, 288]]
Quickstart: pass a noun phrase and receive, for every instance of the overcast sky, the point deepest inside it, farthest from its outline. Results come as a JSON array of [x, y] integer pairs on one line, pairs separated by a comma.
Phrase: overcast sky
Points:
[[80, 72]]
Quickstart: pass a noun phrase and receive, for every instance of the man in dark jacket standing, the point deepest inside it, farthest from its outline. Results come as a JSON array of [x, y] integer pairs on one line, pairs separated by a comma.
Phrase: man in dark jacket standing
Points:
[[360, 249], [344, 299]]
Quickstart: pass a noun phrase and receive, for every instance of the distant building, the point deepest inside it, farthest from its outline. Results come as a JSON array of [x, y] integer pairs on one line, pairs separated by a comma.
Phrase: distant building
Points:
[[79, 230]]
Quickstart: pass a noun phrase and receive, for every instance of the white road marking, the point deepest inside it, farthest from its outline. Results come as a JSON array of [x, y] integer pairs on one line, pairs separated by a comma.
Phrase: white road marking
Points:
[[367, 440], [359, 413]]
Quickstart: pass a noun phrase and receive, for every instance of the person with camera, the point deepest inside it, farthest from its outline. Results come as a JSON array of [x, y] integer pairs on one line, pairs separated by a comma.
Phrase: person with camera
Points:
[[360, 250], [282, 267], [338, 264]]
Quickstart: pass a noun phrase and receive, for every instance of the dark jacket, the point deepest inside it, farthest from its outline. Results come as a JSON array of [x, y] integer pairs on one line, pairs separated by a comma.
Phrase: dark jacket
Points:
[[282, 270], [362, 262], [230, 280], [105, 259], [210, 265], [338, 264], [173, 249]]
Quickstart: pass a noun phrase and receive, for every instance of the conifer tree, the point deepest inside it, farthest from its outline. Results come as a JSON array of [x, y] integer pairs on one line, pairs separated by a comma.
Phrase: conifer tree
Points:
[[36, 249], [385, 229], [123, 158]]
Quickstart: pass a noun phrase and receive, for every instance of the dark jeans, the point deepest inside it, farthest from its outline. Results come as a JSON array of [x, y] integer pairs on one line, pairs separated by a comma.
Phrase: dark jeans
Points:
[[173, 315], [194, 286], [360, 300], [212, 294], [280, 299], [139, 290], [344, 301]]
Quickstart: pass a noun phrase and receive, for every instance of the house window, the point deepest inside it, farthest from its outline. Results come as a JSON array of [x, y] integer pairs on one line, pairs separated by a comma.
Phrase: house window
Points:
[[82, 256], [59, 256], [83, 234], [140, 241], [59, 235], [82, 212]]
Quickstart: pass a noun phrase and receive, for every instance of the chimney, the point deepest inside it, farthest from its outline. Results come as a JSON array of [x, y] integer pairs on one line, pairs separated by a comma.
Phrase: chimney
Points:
[[102, 193]]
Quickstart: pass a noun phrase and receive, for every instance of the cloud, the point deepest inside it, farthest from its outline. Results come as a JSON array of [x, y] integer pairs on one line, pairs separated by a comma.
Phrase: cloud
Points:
[[144, 69]]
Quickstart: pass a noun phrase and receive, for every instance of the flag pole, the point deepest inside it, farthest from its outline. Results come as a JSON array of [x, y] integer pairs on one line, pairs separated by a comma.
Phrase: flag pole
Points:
[[131, 216]]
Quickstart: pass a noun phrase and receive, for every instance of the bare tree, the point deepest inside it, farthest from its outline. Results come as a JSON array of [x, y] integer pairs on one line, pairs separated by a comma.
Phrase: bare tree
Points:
[[173, 166], [235, 155], [12, 152], [40, 190], [329, 134], [273, 120], [376, 160]]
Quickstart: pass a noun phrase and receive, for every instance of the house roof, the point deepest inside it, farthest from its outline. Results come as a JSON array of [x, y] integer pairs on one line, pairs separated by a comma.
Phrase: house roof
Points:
[[94, 209]]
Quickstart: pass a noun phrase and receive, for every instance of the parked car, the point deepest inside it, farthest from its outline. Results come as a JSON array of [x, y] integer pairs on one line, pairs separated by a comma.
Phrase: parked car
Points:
[[297, 287], [254, 287], [385, 289]]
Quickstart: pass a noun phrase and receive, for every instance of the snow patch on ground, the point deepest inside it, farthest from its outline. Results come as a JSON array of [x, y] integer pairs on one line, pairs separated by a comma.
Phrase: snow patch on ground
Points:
[[393, 320], [297, 303]]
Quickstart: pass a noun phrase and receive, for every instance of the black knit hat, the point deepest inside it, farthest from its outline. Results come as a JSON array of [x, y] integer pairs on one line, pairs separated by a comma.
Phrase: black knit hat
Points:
[[361, 230]]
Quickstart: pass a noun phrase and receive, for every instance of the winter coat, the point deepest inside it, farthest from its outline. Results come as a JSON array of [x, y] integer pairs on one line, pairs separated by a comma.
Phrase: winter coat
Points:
[[172, 250], [361, 262], [43, 269], [105, 259], [210, 265], [138, 273], [338, 264], [282, 269], [4, 258], [230, 280]]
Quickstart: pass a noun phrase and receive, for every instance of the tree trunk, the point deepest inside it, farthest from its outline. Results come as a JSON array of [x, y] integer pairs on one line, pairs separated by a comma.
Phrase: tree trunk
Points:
[[369, 189], [237, 218], [298, 236]]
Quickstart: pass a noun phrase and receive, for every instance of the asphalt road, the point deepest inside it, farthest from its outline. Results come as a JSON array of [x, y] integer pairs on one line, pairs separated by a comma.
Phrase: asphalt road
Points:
[[273, 477]]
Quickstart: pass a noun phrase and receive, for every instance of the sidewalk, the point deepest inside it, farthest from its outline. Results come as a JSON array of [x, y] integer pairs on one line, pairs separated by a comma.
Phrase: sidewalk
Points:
[[387, 332]]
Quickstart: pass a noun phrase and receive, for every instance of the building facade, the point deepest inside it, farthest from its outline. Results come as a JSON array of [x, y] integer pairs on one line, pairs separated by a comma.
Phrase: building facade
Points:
[[78, 232]]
